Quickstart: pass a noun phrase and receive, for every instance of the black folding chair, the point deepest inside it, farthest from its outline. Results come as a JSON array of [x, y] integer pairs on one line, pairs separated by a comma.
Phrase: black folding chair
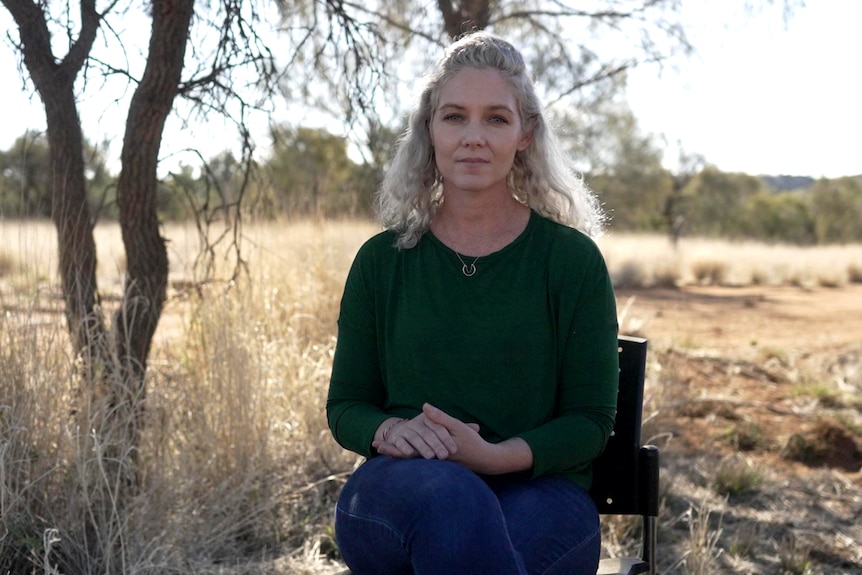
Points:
[[626, 474]]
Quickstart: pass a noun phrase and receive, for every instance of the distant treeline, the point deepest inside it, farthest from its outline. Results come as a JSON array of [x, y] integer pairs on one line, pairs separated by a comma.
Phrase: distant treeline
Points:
[[309, 173]]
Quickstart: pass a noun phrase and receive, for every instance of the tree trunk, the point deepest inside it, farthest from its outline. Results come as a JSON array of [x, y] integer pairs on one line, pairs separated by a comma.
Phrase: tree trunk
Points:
[[118, 379], [147, 261], [467, 16], [54, 81]]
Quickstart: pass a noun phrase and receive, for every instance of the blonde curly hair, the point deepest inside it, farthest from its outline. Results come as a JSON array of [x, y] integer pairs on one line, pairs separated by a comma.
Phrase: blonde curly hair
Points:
[[543, 176]]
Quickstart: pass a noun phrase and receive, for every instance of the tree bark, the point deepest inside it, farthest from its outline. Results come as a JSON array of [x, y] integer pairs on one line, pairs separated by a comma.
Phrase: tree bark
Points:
[[114, 373], [70, 211], [468, 15], [145, 289]]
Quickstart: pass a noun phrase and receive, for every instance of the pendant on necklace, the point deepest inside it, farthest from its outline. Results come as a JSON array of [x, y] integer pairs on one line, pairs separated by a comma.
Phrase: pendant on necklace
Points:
[[467, 270]]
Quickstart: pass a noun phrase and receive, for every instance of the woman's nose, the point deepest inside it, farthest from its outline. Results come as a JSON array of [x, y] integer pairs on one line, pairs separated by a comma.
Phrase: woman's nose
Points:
[[473, 136]]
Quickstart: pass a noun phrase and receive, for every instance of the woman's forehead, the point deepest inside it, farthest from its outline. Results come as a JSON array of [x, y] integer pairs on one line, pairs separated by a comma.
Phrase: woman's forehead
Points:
[[485, 87]]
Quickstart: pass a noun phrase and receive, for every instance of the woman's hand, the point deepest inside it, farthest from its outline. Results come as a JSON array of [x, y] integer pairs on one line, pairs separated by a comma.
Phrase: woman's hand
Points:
[[477, 454], [434, 434], [417, 437]]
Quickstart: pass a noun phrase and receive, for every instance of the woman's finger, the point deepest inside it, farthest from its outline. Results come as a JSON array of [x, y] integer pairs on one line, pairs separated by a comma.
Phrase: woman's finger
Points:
[[425, 440], [453, 425]]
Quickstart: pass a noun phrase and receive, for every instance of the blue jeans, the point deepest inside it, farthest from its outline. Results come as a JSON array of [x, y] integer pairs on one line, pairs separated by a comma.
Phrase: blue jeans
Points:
[[432, 517]]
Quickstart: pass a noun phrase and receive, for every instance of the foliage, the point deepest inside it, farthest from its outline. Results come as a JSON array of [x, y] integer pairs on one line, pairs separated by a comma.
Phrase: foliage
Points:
[[777, 217], [737, 477], [310, 173], [712, 198], [25, 189], [627, 173], [836, 207]]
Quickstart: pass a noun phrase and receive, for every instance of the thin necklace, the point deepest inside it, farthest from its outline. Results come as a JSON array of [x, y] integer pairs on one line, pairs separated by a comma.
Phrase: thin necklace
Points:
[[470, 270]]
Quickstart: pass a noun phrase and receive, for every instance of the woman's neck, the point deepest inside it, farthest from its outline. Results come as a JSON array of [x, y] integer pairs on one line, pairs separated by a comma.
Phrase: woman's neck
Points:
[[473, 227]]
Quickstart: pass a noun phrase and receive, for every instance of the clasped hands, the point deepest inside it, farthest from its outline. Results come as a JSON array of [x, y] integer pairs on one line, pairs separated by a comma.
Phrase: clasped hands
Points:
[[434, 434]]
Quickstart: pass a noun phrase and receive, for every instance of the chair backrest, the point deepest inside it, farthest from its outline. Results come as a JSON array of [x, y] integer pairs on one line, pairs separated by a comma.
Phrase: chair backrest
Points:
[[618, 484]]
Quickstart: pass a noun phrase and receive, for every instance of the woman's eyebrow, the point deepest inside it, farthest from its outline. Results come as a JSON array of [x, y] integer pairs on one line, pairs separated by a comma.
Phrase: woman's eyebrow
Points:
[[493, 107]]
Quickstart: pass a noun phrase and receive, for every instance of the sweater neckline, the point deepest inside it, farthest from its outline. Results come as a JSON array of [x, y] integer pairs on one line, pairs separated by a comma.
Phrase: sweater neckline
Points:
[[531, 222]]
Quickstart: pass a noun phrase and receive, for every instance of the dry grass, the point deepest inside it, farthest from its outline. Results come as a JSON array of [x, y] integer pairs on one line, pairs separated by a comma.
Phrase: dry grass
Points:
[[637, 260], [237, 462], [240, 473]]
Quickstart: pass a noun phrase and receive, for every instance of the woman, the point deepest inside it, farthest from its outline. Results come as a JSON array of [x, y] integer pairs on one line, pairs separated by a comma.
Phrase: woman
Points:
[[476, 364]]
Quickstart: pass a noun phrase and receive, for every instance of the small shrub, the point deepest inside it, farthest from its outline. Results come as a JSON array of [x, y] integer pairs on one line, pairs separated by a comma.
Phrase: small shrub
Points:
[[746, 541], [666, 277], [737, 477], [793, 556], [830, 280], [631, 274], [825, 395], [774, 355], [709, 272], [747, 437], [759, 277]]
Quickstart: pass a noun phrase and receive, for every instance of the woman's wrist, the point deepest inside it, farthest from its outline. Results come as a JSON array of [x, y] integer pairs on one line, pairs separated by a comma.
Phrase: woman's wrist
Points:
[[385, 428], [513, 455]]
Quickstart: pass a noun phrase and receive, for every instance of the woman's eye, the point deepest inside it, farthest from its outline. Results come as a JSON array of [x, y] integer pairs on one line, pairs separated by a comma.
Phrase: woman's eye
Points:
[[499, 120], [451, 117]]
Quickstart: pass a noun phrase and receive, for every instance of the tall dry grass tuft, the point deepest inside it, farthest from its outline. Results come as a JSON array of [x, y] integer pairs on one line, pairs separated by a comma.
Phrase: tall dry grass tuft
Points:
[[31, 441]]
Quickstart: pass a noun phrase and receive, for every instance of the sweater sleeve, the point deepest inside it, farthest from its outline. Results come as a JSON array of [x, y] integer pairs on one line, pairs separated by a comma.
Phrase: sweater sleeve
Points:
[[356, 390], [587, 376]]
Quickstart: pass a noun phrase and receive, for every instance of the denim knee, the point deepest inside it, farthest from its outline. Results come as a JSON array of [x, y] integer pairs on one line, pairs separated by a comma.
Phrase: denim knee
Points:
[[433, 515]]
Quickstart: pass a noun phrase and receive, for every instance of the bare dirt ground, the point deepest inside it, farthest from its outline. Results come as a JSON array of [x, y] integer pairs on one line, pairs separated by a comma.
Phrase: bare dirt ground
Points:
[[758, 390], [735, 319]]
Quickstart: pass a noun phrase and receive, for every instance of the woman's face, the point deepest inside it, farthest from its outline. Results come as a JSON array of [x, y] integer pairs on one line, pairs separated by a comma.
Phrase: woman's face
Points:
[[476, 130]]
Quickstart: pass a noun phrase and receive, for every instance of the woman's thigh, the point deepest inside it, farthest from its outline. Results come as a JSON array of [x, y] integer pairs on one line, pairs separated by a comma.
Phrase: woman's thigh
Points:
[[402, 516], [552, 522]]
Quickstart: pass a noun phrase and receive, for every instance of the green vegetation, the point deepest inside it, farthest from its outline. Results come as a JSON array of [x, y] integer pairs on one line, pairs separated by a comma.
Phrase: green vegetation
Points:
[[737, 477], [308, 172]]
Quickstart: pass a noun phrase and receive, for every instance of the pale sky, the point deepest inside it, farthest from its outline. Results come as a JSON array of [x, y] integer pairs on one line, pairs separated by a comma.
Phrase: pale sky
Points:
[[759, 97]]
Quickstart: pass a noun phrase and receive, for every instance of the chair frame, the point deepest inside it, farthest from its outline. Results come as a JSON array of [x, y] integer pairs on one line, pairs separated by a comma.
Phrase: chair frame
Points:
[[626, 474]]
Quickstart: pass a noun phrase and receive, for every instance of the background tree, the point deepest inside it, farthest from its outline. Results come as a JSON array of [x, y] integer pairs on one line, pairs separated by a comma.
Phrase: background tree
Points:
[[625, 168], [311, 173], [712, 200], [25, 189], [778, 217], [560, 41], [113, 356], [836, 207]]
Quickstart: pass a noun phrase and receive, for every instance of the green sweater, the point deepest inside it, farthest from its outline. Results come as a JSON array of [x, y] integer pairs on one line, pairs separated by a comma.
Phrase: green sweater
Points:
[[526, 347]]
